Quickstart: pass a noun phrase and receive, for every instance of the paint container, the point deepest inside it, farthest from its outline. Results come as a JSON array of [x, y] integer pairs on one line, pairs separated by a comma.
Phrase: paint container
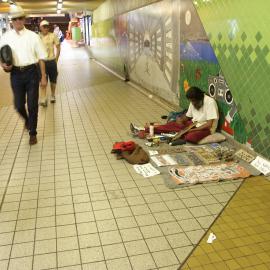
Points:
[[151, 130]]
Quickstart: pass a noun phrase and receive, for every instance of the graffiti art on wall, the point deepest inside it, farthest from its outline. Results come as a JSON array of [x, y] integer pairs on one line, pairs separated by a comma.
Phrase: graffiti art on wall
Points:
[[199, 66], [153, 47], [239, 34]]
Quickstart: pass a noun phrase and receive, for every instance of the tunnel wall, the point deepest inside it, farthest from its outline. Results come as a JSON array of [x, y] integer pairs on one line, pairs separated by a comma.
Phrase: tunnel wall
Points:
[[142, 45]]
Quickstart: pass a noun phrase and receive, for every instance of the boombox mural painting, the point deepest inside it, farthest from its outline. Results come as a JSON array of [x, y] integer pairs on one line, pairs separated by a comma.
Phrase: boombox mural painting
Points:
[[199, 66]]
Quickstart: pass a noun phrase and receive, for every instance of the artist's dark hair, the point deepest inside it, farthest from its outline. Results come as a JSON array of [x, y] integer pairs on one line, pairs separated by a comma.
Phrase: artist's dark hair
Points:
[[195, 93]]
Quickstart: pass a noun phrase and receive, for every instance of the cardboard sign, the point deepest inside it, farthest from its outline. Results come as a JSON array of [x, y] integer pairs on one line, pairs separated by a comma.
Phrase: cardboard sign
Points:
[[261, 165]]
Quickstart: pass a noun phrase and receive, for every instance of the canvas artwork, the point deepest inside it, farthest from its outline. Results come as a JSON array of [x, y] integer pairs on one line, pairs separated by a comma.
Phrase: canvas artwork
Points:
[[205, 153], [163, 160], [201, 174], [244, 155]]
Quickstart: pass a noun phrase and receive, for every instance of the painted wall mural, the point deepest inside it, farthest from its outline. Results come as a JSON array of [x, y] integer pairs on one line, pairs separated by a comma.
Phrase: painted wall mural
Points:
[[153, 48], [107, 43], [143, 45], [239, 34], [199, 66]]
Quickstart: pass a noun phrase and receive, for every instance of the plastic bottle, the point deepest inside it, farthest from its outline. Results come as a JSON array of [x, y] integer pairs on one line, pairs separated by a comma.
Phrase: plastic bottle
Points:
[[151, 130]]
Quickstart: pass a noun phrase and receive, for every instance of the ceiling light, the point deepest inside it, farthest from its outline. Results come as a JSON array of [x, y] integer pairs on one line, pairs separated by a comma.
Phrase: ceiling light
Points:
[[4, 0], [59, 5], [58, 11]]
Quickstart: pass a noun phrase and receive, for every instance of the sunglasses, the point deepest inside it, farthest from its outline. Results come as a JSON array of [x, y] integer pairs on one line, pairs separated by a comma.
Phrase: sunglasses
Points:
[[18, 19]]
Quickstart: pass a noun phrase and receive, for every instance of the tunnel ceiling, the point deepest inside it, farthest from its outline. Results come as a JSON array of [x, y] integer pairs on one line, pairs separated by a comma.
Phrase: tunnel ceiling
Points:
[[46, 6]]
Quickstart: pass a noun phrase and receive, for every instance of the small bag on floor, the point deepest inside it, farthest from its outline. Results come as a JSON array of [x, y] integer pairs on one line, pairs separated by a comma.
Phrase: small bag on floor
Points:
[[119, 147], [138, 156]]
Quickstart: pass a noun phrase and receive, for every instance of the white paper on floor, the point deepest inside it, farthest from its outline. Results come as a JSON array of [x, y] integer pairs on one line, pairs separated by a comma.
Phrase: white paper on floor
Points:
[[211, 238], [146, 170], [163, 160], [153, 152], [261, 165]]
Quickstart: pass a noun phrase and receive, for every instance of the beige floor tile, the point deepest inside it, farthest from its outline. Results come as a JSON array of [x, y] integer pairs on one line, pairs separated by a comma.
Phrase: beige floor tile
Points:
[[22, 250], [24, 236], [73, 267], [182, 214], [89, 240], [86, 228], [111, 237], [195, 236], [114, 251], [121, 211], [140, 209], [165, 258], [178, 240], [65, 219], [170, 228], [46, 233], [95, 266], [5, 252], [189, 224], [4, 264], [93, 254], [145, 220], [136, 247], [45, 246], [24, 263], [67, 258], [206, 221], [103, 214], [106, 225], [45, 261], [67, 243], [151, 231], [126, 222], [157, 244], [131, 234], [6, 238], [183, 252], [119, 264], [142, 262], [163, 217]]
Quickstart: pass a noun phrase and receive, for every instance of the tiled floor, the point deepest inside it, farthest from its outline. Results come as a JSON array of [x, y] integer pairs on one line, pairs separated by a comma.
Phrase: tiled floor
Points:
[[242, 231], [66, 203]]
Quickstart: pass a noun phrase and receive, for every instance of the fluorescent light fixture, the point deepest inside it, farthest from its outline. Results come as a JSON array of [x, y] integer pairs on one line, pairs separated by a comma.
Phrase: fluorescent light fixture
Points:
[[58, 11], [4, 0], [59, 5]]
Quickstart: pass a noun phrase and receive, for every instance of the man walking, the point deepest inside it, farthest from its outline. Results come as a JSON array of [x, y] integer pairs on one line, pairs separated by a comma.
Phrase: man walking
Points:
[[51, 42], [27, 52]]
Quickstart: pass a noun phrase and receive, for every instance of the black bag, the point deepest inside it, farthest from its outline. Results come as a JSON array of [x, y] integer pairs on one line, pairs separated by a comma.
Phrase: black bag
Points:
[[6, 55]]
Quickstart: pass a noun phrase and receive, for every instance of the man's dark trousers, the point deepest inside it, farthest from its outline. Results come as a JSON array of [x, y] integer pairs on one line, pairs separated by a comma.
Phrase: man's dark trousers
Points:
[[25, 82]]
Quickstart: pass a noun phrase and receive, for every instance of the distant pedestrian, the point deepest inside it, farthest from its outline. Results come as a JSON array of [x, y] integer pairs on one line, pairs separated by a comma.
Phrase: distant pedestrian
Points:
[[57, 31], [51, 44]]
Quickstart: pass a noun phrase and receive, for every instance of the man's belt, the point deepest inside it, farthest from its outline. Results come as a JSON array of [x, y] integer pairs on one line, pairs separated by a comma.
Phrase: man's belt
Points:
[[24, 68]]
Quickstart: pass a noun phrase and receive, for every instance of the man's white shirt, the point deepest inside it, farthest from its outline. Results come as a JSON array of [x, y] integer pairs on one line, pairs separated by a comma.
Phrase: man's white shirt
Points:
[[26, 46], [209, 111]]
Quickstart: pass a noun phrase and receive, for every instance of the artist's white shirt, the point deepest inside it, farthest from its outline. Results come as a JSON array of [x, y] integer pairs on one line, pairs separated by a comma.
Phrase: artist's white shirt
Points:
[[26, 46], [209, 111]]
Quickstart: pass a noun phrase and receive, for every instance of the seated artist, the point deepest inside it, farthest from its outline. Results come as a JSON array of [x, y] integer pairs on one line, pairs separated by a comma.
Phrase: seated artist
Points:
[[202, 110]]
